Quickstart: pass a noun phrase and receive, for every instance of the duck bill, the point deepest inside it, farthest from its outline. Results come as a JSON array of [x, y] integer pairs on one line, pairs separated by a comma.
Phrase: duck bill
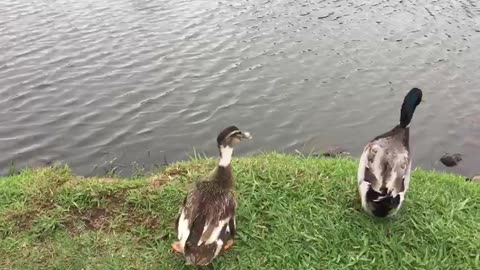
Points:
[[246, 135]]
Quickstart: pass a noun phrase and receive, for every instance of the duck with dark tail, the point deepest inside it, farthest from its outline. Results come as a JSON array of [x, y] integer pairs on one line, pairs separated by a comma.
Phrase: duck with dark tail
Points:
[[385, 164], [206, 221]]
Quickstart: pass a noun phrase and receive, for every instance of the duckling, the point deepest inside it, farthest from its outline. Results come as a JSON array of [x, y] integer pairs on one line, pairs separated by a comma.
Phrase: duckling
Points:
[[206, 222], [385, 164]]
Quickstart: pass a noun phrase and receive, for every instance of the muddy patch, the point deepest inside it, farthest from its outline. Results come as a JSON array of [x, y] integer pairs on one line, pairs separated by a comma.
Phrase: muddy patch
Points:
[[159, 180], [23, 221], [96, 218], [176, 172], [116, 217]]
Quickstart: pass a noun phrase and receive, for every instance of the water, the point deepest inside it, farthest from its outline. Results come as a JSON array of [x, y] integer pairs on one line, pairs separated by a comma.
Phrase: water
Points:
[[104, 84]]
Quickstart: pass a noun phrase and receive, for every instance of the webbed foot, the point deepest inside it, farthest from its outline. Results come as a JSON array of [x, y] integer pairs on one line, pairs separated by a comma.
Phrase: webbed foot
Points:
[[177, 247], [228, 244]]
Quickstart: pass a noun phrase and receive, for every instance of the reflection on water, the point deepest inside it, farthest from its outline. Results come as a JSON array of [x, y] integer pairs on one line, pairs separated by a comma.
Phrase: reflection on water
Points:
[[88, 82]]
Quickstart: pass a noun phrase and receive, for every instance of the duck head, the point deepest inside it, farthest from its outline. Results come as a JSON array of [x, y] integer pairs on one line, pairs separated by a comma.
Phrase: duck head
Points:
[[227, 139]]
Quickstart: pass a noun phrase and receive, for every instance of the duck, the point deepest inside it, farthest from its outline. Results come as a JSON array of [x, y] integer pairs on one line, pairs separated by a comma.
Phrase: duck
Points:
[[206, 222], [385, 164]]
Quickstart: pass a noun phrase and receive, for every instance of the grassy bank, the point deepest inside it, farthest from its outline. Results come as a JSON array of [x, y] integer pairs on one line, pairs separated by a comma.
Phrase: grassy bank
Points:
[[294, 213]]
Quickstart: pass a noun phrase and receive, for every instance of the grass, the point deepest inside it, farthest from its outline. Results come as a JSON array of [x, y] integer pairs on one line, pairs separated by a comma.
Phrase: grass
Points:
[[294, 213]]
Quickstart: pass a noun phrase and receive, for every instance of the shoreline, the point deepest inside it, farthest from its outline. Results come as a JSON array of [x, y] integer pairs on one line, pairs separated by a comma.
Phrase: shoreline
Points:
[[293, 212]]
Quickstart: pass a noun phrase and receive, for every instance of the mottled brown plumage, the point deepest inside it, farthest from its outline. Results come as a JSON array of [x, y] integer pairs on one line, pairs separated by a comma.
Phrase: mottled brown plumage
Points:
[[206, 222], [384, 169], [388, 154]]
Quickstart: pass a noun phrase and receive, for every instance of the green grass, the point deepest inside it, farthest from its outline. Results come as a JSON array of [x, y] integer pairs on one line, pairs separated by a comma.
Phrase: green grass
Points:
[[294, 213]]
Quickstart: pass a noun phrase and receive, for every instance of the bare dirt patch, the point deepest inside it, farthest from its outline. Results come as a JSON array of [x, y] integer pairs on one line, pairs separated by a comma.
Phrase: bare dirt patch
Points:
[[159, 181], [136, 218], [176, 172], [23, 221], [96, 218], [116, 216]]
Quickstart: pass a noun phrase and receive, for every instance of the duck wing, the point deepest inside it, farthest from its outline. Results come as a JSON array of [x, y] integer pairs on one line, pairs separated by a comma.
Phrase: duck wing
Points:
[[188, 213], [386, 162], [211, 225]]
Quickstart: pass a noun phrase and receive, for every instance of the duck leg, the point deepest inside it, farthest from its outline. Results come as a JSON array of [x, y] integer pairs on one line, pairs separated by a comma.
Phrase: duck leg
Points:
[[232, 229], [228, 244]]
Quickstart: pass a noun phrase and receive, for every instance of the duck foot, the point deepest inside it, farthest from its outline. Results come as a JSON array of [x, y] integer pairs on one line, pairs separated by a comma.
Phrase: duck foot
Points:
[[228, 244], [177, 247]]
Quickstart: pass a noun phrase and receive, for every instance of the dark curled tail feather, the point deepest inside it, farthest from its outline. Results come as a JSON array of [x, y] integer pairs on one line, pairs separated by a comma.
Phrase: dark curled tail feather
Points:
[[383, 206]]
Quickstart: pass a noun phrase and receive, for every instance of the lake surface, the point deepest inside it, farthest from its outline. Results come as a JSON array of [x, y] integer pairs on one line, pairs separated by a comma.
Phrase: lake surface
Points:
[[104, 84]]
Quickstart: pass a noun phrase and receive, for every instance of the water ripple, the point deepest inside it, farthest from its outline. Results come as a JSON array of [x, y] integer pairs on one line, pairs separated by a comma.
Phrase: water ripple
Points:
[[85, 78]]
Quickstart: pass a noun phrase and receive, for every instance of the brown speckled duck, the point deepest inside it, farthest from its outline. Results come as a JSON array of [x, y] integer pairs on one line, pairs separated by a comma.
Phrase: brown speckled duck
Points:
[[385, 164], [206, 221]]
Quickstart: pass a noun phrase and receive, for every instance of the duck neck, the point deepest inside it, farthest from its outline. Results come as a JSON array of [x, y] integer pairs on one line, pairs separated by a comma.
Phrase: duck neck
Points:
[[408, 108], [223, 173]]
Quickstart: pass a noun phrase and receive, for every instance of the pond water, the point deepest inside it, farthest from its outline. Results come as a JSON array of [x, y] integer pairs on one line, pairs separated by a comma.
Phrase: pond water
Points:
[[137, 83]]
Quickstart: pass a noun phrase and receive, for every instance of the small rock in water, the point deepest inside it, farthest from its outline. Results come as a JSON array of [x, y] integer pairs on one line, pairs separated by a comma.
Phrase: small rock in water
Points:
[[335, 151], [475, 179], [451, 160]]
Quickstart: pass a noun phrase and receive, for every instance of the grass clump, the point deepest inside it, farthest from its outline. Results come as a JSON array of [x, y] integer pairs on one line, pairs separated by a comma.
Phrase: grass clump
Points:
[[294, 213]]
